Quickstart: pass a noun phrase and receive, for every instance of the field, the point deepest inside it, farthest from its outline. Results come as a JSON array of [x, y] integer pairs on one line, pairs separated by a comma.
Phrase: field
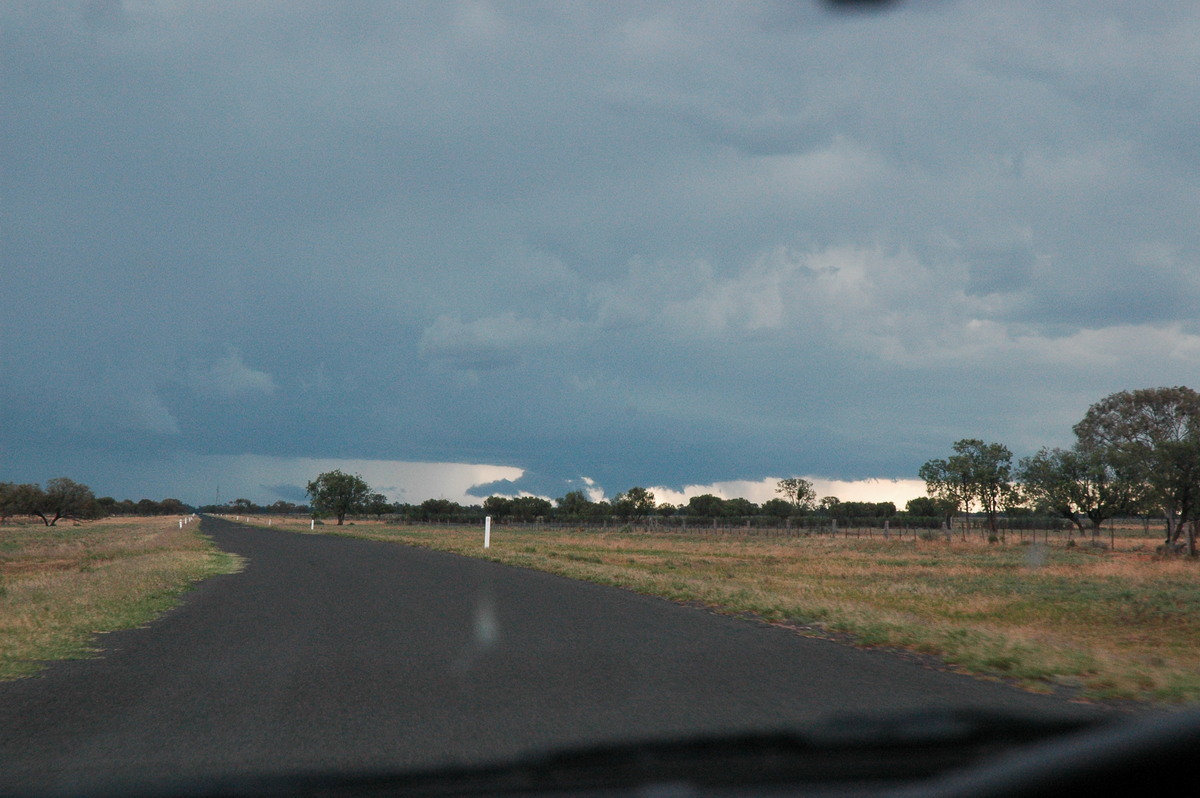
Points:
[[1094, 622], [61, 585]]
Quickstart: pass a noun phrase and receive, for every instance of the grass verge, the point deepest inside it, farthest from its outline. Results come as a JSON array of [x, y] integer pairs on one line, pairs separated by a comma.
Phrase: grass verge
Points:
[[60, 586], [1097, 623]]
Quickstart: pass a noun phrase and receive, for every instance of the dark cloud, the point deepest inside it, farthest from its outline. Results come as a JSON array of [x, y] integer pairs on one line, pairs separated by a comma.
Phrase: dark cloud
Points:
[[643, 244]]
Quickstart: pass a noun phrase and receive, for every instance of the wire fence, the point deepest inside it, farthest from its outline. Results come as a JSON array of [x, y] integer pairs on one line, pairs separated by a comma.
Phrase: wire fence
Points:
[[1131, 533], [1136, 532]]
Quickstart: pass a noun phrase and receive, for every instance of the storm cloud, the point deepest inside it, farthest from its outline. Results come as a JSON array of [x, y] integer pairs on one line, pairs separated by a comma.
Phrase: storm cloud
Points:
[[669, 244]]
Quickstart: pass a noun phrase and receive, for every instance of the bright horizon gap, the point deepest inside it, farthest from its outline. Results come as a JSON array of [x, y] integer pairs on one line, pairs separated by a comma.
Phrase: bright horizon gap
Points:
[[263, 479], [875, 489]]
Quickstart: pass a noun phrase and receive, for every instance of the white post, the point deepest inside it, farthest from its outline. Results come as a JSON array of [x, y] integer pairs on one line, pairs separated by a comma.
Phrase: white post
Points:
[[312, 524], [487, 532], [181, 523]]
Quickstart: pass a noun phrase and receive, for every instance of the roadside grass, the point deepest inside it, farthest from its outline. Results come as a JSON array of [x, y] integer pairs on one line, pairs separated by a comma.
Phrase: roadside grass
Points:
[[61, 586], [1089, 622]]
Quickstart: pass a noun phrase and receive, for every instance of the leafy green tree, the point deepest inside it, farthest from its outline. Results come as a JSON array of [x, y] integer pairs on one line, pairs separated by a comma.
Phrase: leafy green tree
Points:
[[1077, 484], [885, 510], [926, 507], [861, 511], [282, 507], [439, 509], [574, 505], [245, 506], [338, 494], [530, 508], [378, 505], [977, 473], [922, 506], [173, 507], [63, 498], [706, 505], [778, 508], [498, 507], [1152, 436], [739, 507], [634, 503], [105, 505], [799, 492], [600, 510], [947, 485], [990, 467], [17, 499]]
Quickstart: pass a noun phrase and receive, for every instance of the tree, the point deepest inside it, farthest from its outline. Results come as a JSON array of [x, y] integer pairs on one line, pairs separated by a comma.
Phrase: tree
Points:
[[777, 508], [574, 505], [990, 467], [17, 499], [498, 506], [173, 507], [739, 507], [530, 508], [439, 509], [337, 494], [600, 510], [377, 505], [1077, 483], [707, 505], [1152, 436], [798, 491], [63, 498], [634, 503], [926, 507], [977, 472], [283, 507], [946, 484]]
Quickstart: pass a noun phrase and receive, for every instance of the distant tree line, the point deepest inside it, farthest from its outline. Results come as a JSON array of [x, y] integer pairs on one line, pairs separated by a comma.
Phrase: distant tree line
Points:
[[247, 507], [64, 498], [1136, 453], [340, 496]]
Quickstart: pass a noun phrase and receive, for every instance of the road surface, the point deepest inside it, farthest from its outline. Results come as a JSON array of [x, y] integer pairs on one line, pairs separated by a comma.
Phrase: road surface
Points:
[[333, 653]]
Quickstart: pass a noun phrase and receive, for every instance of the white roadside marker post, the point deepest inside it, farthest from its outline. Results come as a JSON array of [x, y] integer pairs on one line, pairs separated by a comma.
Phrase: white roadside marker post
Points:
[[312, 524], [487, 532]]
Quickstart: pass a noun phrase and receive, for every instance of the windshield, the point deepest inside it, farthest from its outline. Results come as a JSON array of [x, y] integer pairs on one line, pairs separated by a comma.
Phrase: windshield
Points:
[[835, 353]]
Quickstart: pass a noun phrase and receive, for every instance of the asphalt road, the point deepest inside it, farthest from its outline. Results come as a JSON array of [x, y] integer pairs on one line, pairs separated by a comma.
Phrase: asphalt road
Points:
[[332, 653]]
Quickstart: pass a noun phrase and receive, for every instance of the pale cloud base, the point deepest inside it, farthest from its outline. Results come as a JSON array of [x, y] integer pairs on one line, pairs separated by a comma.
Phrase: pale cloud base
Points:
[[208, 479], [203, 479], [897, 491]]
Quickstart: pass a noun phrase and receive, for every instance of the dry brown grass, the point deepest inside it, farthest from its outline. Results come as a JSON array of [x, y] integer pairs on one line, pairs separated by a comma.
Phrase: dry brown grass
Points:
[[62, 585]]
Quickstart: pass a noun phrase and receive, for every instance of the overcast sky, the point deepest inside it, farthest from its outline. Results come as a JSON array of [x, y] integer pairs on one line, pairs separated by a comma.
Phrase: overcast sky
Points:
[[582, 245]]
